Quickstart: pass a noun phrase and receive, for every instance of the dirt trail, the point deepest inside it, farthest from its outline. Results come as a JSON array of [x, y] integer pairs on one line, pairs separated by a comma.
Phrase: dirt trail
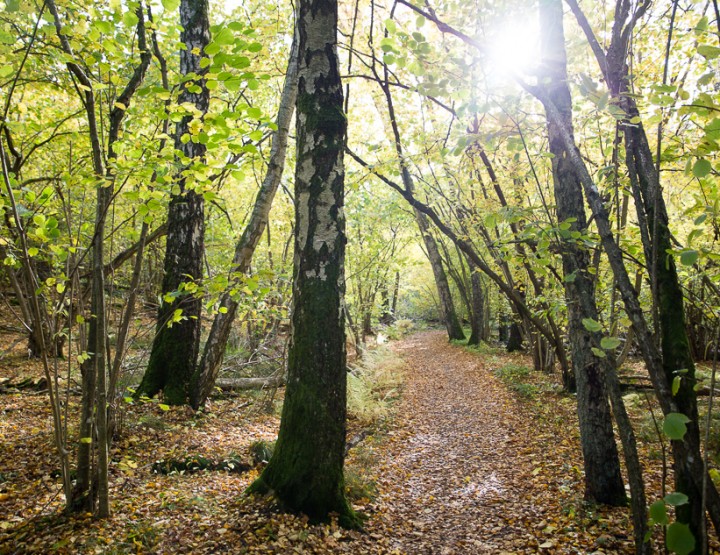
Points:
[[459, 466]]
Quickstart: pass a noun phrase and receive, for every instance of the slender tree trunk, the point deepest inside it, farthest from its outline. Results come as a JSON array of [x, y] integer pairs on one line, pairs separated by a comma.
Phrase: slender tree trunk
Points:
[[603, 480], [386, 315], [686, 451], [477, 314], [447, 307], [90, 486], [209, 367], [306, 469], [177, 340], [396, 294], [674, 343]]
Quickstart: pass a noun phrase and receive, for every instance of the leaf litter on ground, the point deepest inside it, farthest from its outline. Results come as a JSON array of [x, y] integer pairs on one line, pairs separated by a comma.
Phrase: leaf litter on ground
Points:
[[463, 463]]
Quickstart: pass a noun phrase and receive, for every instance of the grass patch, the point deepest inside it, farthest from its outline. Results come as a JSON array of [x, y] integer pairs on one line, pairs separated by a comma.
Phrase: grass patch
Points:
[[514, 376], [359, 486], [482, 348]]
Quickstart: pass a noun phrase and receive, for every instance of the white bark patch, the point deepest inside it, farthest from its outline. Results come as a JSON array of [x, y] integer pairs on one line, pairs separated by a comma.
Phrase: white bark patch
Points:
[[316, 32], [319, 273], [327, 230], [303, 216]]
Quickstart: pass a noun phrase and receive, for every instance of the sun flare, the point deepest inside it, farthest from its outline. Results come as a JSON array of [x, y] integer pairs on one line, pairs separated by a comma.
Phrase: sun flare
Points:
[[515, 48]]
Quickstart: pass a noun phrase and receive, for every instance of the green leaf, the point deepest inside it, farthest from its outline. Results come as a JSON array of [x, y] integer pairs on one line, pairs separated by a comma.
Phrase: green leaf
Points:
[[105, 27], [12, 5], [714, 474], [212, 49], [233, 84], [130, 18], [6, 71], [609, 343], [708, 52], [390, 26], [677, 380], [591, 325], [598, 352], [85, 440], [164, 407], [674, 425], [658, 513], [170, 5], [224, 37], [680, 539], [701, 168], [676, 499], [689, 257]]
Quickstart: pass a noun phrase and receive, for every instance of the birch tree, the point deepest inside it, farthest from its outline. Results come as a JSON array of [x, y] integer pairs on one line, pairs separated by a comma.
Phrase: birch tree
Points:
[[306, 469]]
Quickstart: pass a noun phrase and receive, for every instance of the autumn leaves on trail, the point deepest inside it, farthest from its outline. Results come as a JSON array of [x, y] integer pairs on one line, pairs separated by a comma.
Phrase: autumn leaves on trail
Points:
[[469, 469]]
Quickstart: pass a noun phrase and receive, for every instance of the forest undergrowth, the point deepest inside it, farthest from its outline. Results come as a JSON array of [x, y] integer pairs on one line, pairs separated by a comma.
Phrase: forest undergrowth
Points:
[[452, 452]]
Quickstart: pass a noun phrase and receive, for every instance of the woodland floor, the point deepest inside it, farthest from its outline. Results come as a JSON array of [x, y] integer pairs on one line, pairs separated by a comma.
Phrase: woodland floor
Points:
[[466, 465]]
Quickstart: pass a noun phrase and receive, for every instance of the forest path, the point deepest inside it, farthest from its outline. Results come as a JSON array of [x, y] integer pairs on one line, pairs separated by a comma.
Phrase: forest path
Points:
[[461, 470]]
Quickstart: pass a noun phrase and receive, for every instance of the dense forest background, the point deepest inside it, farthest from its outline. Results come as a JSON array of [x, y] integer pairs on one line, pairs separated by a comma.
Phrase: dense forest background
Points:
[[205, 198]]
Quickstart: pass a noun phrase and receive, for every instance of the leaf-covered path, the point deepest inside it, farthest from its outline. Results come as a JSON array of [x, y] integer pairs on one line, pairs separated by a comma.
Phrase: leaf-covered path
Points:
[[468, 469]]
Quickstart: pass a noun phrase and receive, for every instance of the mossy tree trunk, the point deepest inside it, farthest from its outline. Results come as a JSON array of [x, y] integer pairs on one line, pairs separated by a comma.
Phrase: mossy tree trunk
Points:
[[306, 469], [177, 339]]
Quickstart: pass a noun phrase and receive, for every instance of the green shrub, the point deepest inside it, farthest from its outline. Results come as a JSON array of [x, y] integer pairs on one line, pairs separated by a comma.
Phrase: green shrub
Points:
[[400, 329], [513, 376], [484, 349], [373, 385], [512, 372], [358, 485]]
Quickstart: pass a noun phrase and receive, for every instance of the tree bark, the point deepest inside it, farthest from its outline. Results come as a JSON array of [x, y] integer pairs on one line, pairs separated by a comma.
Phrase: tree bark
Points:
[[209, 367], [177, 340], [306, 469], [447, 306]]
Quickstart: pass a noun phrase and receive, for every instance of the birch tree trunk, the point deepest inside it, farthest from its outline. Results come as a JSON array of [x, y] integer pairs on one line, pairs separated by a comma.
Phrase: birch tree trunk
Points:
[[306, 469]]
